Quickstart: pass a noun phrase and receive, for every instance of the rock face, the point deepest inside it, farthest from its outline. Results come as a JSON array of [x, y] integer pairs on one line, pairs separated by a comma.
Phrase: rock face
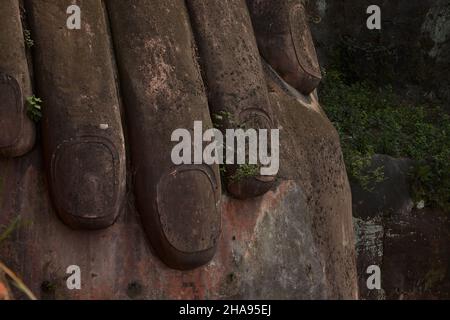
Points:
[[81, 159], [414, 33], [409, 245], [295, 242], [411, 52], [18, 132]]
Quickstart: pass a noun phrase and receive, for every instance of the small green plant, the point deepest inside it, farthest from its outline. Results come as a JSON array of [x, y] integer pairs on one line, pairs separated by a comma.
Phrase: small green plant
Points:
[[7, 231], [245, 171], [220, 118], [34, 108], [359, 168], [222, 169], [221, 121], [29, 42]]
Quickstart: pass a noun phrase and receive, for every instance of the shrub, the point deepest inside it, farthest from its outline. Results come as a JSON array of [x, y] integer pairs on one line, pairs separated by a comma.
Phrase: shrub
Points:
[[373, 120]]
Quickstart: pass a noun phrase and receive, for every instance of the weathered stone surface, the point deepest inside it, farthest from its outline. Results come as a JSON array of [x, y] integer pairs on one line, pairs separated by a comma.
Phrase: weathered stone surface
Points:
[[285, 41], [233, 74], [409, 245], [371, 206], [75, 79], [311, 156], [18, 132], [390, 195], [296, 241], [370, 235], [417, 255], [163, 91], [411, 50]]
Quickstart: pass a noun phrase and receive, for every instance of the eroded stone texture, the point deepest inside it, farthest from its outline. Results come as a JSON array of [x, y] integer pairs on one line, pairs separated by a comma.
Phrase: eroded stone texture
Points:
[[285, 41], [233, 74], [417, 255], [75, 79], [370, 235], [296, 241], [409, 245], [163, 91], [301, 232], [311, 156], [18, 132], [411, 51]]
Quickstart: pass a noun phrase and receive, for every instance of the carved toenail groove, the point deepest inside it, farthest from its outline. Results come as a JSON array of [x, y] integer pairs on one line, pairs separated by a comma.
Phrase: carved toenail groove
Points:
[[163, 91], [85, 181], [17, 130], [187, 199], [259, 118], [83, 142], [303, 43], [222, 29], [11, 111], [285, 42]]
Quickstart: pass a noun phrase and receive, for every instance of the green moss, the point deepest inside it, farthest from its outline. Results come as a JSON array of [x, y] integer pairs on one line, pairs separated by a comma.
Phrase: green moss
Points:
[[373, 120], [34, 109], [29, 42], [245, 171]]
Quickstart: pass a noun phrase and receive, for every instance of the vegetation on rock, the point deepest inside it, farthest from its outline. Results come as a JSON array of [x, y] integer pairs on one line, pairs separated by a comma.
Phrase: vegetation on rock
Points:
[[34, 110], [373, 120]]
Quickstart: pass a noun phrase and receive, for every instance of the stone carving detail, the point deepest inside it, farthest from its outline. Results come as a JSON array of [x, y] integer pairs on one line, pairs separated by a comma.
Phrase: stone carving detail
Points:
[[136, 71]]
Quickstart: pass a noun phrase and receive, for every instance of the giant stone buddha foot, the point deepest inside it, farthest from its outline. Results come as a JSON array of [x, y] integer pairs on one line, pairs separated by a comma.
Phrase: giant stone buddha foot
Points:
[[101, 191]]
